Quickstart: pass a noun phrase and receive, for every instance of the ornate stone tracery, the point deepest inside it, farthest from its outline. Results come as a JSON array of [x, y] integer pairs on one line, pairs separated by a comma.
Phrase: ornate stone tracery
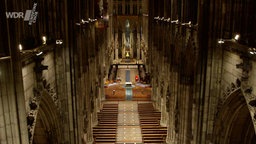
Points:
[[42, 90]]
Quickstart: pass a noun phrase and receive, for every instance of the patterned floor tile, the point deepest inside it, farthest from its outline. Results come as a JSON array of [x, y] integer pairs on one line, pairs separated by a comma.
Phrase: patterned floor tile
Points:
[[128, 123]]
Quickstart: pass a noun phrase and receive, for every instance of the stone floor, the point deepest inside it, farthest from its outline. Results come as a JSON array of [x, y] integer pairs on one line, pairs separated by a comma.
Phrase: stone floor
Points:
[[128, 123]]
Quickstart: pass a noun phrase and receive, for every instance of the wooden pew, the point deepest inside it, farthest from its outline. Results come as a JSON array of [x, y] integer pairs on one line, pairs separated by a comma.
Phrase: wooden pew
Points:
[[105, 131], [105, 139], [154, 135], [151, 130], [154, 141], [105, 128], [154, 131]]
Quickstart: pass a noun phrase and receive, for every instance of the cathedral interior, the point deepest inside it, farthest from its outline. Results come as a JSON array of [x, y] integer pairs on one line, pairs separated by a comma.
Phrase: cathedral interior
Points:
[[127, 71]]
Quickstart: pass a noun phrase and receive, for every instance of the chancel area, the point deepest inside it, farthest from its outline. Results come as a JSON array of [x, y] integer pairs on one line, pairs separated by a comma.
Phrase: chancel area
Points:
[[127, 72]]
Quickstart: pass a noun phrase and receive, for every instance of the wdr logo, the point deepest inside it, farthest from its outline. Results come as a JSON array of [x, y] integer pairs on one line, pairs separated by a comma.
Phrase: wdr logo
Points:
[[30, 15]]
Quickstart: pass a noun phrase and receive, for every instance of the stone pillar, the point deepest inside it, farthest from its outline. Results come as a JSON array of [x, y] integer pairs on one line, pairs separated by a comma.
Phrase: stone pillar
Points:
[[165, 78], [131, 45], [138, 46], [94, 93], [89, 133], [116, 46], [123, 7], [163, 111], [13, 122], [112, 54], [102, 59], [142, 55], [116, 54], [122, 48], [173, 114], [9, 130], [154, 92]]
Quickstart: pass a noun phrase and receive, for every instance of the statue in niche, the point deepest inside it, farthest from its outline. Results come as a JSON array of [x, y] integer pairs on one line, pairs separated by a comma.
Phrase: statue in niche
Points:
[[156, 81], [168, 95], [97, 88], [127, 34], [91, 100], [162, 89], [85, 121], [92, 104], [176, 121], [238, 83]]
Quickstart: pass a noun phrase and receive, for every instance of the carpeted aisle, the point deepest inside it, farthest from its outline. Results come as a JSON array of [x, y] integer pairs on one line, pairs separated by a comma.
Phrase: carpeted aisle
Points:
[[127, 76]]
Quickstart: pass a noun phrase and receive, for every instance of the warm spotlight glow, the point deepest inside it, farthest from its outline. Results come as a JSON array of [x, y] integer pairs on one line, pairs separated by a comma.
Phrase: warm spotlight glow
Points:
[[189, 23], [106, 17], [168, 20], [220, 41], [44, 39], [127, 54], [145, 15], [84, 21], [175, 21], [59, 42], [20, 47], [237, 36], [38, 54], [157, 18], [252, 51]]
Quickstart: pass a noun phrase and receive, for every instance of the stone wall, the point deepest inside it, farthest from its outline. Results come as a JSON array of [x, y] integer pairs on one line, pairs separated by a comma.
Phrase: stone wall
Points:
[[9, 125], [202, 72], [252, 78], [230, 73], [49, 74], [29, 83], [35, 89], [29, 77]]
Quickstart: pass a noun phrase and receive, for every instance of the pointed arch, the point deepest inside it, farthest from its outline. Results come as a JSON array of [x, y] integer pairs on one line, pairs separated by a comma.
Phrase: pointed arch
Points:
[[233, 124], [47, 126]]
